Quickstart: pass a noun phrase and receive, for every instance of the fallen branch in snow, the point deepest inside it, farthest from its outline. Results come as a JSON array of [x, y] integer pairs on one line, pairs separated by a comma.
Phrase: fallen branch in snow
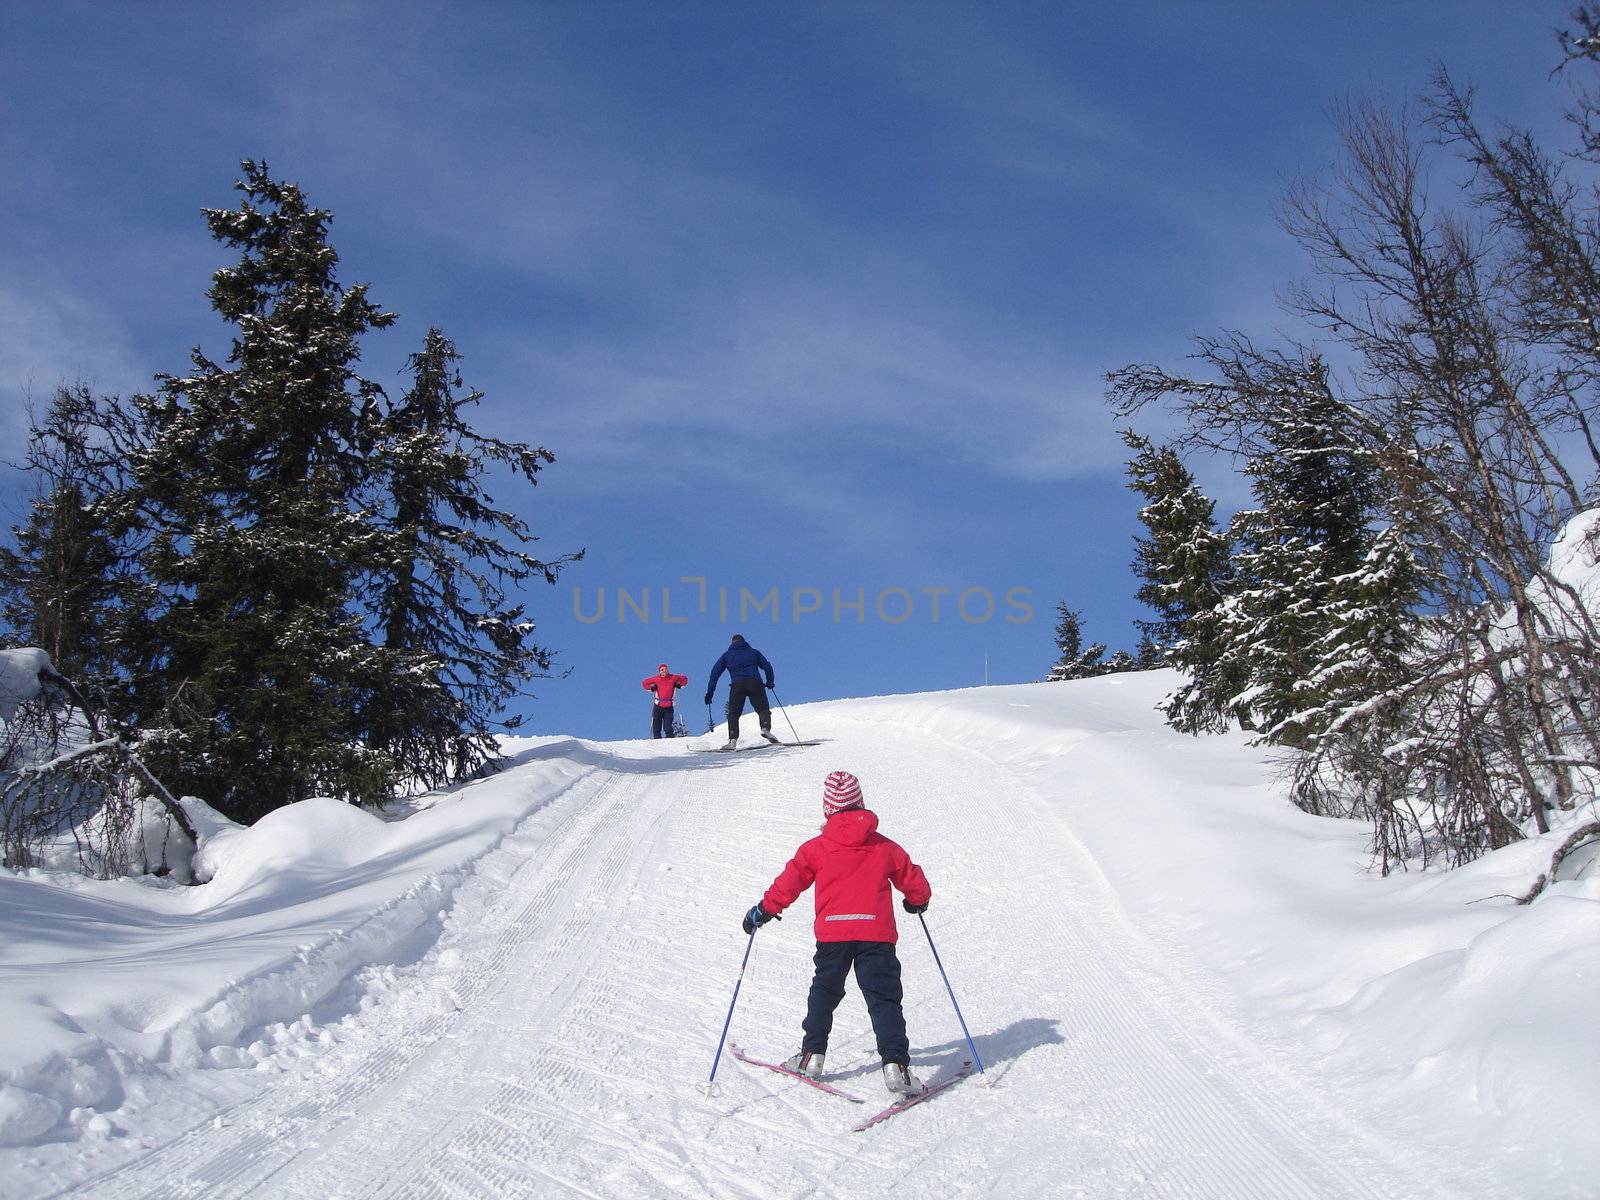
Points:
[[66, 769], [1573, 840], [120, 743]]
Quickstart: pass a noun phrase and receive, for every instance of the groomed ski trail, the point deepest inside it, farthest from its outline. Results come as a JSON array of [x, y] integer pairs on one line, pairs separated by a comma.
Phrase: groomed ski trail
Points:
[[552, 1044]]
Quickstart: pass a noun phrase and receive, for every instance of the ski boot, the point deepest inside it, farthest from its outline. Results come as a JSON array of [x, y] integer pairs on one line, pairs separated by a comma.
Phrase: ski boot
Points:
[[897, 1077], [807, 1062]]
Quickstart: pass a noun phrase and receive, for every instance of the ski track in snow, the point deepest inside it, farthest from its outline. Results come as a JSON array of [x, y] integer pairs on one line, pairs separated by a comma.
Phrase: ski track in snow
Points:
[[552, 1043]]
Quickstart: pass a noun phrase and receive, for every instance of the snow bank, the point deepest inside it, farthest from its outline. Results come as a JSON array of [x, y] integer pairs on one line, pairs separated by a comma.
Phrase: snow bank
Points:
[[315, 838], [1504, 1021], [103, 983]]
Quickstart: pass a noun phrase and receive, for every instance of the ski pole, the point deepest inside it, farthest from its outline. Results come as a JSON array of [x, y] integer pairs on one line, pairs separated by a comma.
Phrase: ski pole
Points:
[[785, 713], [750, 945], [710, 723], [952, 992]]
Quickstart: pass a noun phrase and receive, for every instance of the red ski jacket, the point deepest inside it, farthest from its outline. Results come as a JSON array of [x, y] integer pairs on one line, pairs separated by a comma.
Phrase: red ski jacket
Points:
[[852, 865], [664, 686]]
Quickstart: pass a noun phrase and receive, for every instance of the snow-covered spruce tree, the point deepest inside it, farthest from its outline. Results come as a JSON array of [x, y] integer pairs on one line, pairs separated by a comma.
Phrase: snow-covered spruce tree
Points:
[[250, 480], [1296, 555], [455, 646], [1360, 693], [1073, 660], [1122, 660], [1252, 603], [1201, 704], [1183, 568]]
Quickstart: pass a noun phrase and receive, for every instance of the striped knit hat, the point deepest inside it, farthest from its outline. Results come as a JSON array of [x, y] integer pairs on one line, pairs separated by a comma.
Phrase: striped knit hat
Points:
[[840, 791]]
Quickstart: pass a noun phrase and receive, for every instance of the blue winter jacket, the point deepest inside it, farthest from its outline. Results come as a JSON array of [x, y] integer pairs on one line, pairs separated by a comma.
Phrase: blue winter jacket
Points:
[[741, 661]]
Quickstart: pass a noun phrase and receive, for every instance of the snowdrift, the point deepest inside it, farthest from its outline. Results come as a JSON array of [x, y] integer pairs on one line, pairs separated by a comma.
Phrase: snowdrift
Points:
[[103, 983]]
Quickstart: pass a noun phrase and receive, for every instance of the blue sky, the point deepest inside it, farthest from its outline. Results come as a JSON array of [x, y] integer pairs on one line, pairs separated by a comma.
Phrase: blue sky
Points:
[[813, 296]]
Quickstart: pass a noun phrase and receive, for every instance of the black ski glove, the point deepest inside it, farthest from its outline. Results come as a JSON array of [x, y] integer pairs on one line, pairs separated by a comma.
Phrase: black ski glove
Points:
[[914, 909], [757, 917], [708, 699]]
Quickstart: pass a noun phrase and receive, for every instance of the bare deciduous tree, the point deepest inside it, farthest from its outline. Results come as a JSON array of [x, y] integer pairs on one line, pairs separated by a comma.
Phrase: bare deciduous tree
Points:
[[1469, 341]]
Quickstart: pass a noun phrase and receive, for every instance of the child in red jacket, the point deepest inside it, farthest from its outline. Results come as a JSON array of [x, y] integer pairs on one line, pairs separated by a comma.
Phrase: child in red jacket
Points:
[[852, 865]]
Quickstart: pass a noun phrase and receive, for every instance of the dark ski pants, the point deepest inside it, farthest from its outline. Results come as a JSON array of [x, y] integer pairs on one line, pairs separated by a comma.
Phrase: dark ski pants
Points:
[[661, 720], [740, 690], [878, 975]]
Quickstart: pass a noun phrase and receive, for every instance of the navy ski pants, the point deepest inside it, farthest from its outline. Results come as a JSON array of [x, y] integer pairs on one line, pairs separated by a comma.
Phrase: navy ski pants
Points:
[[878, 975], [661, 720], [740, 690]]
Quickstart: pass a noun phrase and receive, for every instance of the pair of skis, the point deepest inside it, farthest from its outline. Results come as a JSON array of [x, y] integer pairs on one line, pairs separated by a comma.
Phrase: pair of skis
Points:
[[752, 746], [899, 1106]]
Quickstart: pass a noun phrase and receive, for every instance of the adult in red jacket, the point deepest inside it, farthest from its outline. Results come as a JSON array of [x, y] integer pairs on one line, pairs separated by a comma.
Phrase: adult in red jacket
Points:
[[662, 713], [853, 867]]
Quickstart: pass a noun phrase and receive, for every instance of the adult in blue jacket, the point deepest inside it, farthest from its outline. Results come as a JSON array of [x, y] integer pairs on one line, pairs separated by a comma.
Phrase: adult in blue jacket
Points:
[[745, 666]]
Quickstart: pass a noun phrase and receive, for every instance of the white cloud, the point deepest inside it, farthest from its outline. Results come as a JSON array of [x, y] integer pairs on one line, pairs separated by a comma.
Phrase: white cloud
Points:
[[812, 360], [48, 337]]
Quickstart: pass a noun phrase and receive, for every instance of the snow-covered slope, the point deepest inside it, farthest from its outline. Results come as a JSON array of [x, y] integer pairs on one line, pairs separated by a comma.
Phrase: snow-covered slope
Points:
[[1180, 986]]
